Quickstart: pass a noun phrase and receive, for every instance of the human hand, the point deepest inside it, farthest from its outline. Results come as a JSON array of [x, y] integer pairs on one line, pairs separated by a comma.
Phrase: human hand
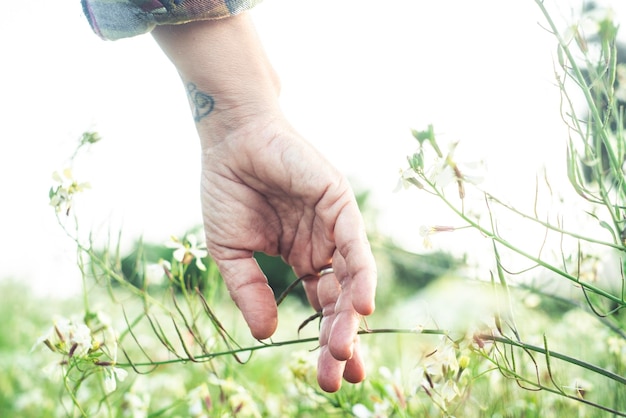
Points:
[[265, 189]]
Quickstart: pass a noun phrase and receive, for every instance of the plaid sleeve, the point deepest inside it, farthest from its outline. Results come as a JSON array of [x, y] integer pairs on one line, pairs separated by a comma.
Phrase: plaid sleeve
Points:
[[116, 19]]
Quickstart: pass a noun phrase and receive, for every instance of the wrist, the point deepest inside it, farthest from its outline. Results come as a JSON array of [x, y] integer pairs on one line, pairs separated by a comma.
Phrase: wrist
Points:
[[228, 78], [250, 121]]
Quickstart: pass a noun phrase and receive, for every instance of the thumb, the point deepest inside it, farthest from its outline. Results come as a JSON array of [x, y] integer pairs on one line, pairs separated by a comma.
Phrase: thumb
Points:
[[250, 291]]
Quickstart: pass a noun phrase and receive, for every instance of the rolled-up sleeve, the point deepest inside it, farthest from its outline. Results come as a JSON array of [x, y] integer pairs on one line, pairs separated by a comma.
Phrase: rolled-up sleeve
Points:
[[116, 19]]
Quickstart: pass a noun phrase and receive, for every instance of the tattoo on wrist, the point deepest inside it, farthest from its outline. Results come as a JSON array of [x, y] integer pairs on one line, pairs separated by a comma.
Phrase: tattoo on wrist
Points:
[[201, 103]]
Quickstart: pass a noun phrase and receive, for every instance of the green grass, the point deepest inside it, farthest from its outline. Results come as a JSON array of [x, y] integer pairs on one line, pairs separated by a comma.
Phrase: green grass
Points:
[[546, 341], [393, 362]]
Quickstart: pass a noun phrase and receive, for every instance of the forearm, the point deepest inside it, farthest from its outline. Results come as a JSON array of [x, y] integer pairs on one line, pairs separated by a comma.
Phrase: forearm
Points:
[[228, 77]]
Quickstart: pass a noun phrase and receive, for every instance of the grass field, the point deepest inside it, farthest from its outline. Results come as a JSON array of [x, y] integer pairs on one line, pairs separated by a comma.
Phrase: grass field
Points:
[[536, 329]]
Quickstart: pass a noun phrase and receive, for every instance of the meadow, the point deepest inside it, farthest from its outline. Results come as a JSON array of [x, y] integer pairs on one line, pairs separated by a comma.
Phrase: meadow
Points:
[[527, 322]]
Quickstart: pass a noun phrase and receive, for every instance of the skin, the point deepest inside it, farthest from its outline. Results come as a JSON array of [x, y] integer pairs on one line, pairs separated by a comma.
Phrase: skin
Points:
[[266, 189]]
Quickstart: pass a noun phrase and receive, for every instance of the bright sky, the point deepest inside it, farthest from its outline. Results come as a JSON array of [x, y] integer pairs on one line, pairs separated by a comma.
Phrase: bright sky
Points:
[[356, 78]]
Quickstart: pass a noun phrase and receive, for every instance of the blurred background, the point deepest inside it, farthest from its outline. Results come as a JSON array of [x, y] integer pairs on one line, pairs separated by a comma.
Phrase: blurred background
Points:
[[356, 77]]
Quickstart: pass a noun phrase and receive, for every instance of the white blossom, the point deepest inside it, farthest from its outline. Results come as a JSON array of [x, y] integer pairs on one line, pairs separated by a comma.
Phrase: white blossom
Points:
[[111, 376], [67, 337], [187, 250], [408, 178], [62, 195]]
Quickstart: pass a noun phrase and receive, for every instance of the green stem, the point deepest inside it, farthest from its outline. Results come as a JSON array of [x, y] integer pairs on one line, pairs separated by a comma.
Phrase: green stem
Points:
[[538, 261], [552, 227], [595, 113], [553, 354], [539, 386], [275, 344]]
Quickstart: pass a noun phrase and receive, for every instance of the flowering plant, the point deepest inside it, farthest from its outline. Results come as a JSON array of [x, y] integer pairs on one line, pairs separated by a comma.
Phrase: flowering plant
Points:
[[169, 344]]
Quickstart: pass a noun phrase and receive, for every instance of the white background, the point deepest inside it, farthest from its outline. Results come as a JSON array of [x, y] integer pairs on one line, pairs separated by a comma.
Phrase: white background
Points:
[[357, 75]]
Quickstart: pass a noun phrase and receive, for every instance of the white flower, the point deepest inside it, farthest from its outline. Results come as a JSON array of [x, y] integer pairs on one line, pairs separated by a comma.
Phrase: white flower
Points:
[[243, 405], [588, 26], [393, 385], [61, 196], [449, 391], [442, 173], [155, 273], [447, 171], [360, 411], [188, 250], [407, 179], [581, 387], [303, 365], [427, 231], [442, 362], [239, 400], [67, 337], [111, 376], [102, 329], [81, 336], [199, 401]]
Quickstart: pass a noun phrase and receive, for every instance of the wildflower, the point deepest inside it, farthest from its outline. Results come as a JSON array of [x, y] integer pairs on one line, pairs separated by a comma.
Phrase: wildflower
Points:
[[156, 272], [238, 398], [427, 231], [442, 361], [382, 409], [441, 371], [199, 401], [596, 21], [581, 387], [447, 171], [188, 250], [302, 365], [111, 376], [243, 405], [407, 179], [68, 338], [62, 195], [464, 361], [449, 391], [393, 385], [360, 411]]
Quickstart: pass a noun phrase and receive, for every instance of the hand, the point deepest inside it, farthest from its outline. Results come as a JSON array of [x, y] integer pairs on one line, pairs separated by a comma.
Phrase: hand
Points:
[[267, 190], [264, 188]]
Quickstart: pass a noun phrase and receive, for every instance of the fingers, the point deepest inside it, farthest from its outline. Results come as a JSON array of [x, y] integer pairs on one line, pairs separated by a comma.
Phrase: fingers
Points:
[[339, 348], [355, 369], [310, 288], [360, 267], [331, 371], [249, 290]]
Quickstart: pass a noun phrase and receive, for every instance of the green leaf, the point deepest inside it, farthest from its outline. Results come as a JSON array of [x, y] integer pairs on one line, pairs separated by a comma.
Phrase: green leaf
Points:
[[605, 225]]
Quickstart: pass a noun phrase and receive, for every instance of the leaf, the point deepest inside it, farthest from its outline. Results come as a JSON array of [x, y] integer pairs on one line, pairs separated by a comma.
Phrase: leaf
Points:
[[605, 225]]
